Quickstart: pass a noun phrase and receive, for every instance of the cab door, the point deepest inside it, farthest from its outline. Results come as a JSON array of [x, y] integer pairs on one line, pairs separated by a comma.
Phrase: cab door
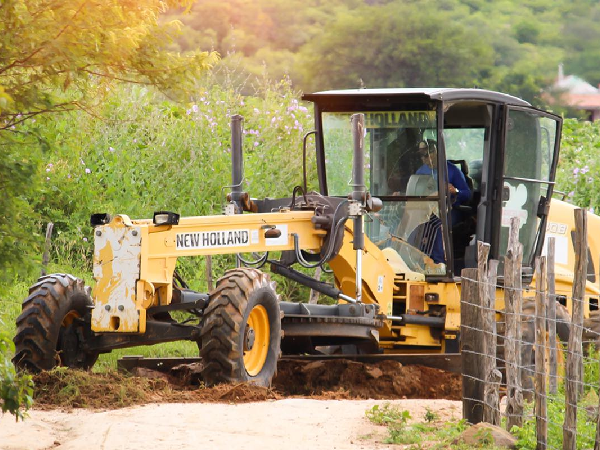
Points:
[[530, 146]]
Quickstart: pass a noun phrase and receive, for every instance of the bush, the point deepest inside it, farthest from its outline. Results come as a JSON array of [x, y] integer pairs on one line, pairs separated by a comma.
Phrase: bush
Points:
[[16, 390], [578, 163], [586, 425], [142, 153]]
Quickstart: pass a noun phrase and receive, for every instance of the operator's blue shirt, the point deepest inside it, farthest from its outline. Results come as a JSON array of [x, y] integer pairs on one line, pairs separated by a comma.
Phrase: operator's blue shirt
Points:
[[455, 178], [432, 244]]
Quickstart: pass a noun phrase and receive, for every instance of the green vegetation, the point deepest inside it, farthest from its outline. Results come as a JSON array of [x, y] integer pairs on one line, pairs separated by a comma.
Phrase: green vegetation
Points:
[[143, 154], [59, 57], [578, 166], [66, 56], [401, 430], [432, 432], [511, 46], [588, 407], [16, 391]]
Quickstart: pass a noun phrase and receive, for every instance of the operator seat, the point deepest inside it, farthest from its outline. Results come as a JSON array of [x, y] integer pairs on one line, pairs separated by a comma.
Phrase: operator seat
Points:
[[418, 213], [421, 186]]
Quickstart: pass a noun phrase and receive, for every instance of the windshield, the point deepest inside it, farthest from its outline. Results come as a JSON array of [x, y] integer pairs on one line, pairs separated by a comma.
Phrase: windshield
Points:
[[401, 169]]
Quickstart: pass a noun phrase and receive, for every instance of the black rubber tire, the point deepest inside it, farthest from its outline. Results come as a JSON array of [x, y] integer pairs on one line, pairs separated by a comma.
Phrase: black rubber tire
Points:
[[53, 319], [591, 331], [563, 320], [225, 327]]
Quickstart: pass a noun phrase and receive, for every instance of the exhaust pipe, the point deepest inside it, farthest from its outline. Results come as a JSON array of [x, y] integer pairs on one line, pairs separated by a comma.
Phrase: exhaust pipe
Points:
[[237, 162], [358, 196]]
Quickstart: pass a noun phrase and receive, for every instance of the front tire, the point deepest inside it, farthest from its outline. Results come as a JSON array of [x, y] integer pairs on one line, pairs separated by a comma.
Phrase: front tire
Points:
[[241, 330], [51, 328]]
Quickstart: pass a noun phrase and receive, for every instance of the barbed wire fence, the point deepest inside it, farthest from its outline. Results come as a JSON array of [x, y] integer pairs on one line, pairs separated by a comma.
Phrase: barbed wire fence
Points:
[[529, 351]]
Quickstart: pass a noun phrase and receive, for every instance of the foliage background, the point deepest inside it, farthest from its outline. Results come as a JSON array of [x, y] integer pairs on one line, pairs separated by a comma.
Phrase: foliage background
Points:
[[511, 46]]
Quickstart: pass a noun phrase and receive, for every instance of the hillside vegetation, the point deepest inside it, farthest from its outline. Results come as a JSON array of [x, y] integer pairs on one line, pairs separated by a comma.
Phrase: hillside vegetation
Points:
[[511, 46]]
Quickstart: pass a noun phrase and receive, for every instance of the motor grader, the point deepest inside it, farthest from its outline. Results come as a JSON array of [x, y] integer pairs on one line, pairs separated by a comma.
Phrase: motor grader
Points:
[[372, 224]]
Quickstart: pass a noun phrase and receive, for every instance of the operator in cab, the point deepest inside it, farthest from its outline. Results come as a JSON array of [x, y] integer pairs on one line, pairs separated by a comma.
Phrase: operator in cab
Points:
[[458, 189], [428, 236]]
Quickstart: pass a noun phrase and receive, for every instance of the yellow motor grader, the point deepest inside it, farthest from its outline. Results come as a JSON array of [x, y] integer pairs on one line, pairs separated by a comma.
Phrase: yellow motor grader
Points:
[[375, 223]]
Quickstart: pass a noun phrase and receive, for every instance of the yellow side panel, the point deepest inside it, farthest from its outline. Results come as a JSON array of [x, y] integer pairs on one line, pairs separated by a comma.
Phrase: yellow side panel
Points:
[[117, 250]]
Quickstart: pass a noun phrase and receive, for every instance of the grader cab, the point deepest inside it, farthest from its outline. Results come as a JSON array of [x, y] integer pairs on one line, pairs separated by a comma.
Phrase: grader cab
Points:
[[386, 221]]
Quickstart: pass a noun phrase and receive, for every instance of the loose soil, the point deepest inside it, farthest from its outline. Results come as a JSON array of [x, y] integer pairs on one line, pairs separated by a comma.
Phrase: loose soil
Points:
[[355, 380], [327, 379]]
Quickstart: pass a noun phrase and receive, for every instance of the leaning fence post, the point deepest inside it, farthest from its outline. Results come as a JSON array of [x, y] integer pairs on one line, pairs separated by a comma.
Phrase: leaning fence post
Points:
[[551, 323], [597, 441], [209, 273], [47, 247], [512, 341], [493, 377], [574, 350], [541, 418], [471, 347]]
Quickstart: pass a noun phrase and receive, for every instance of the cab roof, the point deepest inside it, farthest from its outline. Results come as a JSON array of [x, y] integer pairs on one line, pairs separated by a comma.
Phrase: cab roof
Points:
[[417, 94]]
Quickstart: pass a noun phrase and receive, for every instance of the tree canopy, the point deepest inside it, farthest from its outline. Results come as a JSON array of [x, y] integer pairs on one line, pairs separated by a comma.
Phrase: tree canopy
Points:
[[55, 55], [512, 46], [63, 55]]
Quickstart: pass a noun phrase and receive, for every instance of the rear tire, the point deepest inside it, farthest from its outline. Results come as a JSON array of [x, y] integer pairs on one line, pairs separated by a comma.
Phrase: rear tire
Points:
[[563, 320], [54, 319], [591, 331], [241, 330]]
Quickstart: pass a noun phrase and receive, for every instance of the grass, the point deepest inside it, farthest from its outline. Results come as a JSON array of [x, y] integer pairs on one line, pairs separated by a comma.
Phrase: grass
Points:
[[108, 361], [430, 434]]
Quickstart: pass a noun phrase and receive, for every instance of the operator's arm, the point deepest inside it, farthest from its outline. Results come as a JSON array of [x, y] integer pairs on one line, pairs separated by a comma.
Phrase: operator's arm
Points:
[[457, 179]]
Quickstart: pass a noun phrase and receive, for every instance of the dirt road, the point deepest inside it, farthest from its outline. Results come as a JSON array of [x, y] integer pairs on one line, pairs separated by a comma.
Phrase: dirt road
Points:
[[312, 405], [292, 423]]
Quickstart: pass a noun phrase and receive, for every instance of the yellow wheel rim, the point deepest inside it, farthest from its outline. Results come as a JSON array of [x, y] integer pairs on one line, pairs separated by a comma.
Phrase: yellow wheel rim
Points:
[[256, 340], [69, 318]]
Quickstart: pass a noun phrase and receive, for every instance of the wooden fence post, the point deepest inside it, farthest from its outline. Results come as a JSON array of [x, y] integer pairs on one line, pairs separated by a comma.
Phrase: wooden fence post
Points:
[[47, 247], [597, 441], [493, 377], [574, 370], [512, 340], [313, 297], [471, 347], [541, 414], [209, 273], [551, 312]]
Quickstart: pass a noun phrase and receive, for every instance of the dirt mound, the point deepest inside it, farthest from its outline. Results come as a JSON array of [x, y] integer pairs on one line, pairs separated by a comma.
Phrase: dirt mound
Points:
[[342, 378], [326, 379], [69, 388]]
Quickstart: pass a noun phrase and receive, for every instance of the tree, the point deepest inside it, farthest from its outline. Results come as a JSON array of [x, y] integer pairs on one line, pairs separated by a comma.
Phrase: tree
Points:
[[57, 56], [582, 41], [370, 45]]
